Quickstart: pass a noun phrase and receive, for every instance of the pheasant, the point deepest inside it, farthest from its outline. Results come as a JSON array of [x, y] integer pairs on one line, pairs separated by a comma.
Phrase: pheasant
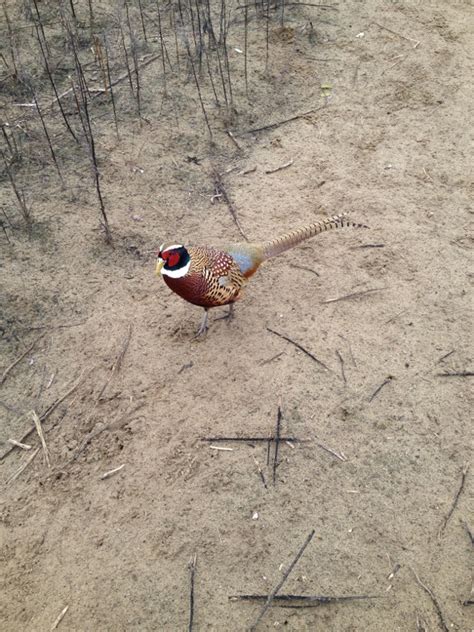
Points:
[[211, 277]]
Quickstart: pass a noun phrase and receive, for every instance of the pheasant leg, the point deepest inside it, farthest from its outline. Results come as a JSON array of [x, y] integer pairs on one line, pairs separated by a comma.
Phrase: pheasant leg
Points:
[[203, 327], [230, 314]]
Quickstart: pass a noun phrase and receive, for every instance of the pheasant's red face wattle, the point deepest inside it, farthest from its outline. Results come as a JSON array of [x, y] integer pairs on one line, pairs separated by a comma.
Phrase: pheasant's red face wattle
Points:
[[171, 258]]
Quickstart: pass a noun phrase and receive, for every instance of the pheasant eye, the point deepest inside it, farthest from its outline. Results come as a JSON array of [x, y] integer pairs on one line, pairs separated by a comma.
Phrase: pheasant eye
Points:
[[172, 259]]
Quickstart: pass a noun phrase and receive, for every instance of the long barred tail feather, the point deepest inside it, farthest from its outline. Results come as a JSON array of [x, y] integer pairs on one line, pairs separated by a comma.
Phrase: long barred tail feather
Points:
[[295, 237]]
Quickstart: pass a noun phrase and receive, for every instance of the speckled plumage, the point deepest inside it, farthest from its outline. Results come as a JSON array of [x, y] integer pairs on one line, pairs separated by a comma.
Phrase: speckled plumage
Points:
[[213, 279]]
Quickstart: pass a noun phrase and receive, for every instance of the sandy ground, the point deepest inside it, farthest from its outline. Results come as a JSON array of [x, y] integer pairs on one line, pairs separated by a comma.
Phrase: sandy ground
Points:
[[388, 143]]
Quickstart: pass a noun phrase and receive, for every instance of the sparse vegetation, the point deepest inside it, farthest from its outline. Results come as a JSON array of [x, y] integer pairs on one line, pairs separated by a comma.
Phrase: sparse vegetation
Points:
[[83, 52], [336, 401]]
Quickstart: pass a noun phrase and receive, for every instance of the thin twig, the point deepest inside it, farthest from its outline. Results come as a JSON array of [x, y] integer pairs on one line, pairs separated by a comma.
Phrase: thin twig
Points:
[[87, 126], [142, 20], [18, 444], [254, 130], [434, 600], [66, 326], [446, 355], [12, 38], [341, 360], [271, 359], [2, 225], [285, 166], [12, 150], [387, 380], [468, 531], [296, 344], [307, 269], [226, 63], [254, 439], [133, 48], [232, 138], [408, 39], [455, 500], [338, 455], [20, 196], [297, 4], [260, 473], [282, 16], [112, 472], [394, 570], [371, 246], [22, 467], [198, 88], [48, 138], [393, 318], [246, 52], [59, 618], [50, 76], [99, 58], [308, 601], [274, 592], [55, 404], [128, 74], [353, 295], [39, 430], [124, 76], [221, 73], [421, 624], [209, 72], [277, 443], [18, 360], [267, 33], [192, 569], [457, 374], [109, 86], [188, 365]]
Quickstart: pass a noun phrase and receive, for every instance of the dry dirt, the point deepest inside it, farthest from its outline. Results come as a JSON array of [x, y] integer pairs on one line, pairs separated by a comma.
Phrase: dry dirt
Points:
[[390, 145]]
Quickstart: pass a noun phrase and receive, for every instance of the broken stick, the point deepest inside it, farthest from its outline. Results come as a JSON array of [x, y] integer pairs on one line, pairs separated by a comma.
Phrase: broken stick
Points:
[[192, 568], [274, 592], [59, 618], [285, 166], [277, 444], [455, 500], [434, 601], [300, 347], [39, 430], [306, 601]]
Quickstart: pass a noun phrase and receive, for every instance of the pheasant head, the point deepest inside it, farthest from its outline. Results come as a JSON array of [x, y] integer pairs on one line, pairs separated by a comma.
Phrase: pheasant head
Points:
[[173, 261]]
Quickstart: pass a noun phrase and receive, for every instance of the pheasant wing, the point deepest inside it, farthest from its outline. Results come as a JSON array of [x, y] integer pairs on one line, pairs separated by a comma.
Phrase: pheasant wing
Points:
[[223, 278]]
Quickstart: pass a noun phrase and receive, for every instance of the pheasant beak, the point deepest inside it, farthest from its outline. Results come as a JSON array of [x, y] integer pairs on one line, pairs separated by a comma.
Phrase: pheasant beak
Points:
[[159, 264]]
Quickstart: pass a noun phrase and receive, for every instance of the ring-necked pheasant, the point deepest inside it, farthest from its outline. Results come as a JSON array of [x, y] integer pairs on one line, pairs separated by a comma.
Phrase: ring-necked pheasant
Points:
[[212, 277]]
